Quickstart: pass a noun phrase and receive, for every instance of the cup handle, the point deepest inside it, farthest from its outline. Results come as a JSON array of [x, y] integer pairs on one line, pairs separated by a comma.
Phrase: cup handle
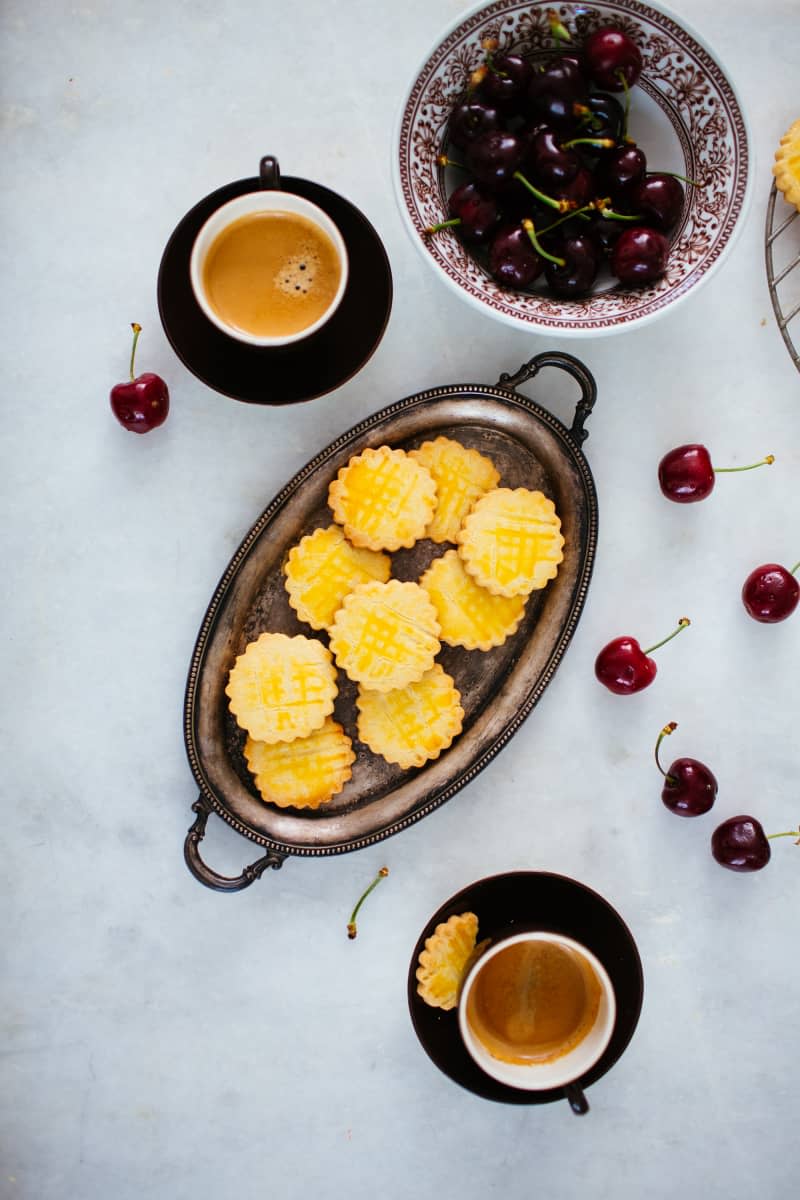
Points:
[[577, 1100], [270, 173]]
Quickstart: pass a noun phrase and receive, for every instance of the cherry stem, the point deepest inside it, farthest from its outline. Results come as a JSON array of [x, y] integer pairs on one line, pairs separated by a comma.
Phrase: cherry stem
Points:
[[683, 178], [557, 28], [794, 568], [527, 225], [599, 143], [352, 929], [789, 833], [684, 621], [476, 79], [443, 161], [562, 206], [443, 225], [579, 212], [665, 732], [604, 208], [621, 76], [764, 462], [137, 329]]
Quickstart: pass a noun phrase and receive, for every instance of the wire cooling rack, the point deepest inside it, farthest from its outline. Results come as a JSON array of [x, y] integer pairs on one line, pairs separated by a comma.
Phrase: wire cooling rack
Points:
[[782, 247]]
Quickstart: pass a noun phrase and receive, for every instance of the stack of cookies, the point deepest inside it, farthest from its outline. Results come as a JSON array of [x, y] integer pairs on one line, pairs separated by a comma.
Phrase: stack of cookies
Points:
[[385, 634]]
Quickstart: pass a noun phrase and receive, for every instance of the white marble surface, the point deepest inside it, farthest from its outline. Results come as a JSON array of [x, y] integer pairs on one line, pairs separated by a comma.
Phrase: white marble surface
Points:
[[160, 1040]]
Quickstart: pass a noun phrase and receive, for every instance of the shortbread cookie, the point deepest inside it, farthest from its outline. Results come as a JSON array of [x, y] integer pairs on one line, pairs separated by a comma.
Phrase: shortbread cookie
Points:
[[787, 165], [461, 476], [383, 499], [412, 724], [445, 962], [282, 687], [323, 568], [385, 635], [511, 542], [469, 615], [304, 773]]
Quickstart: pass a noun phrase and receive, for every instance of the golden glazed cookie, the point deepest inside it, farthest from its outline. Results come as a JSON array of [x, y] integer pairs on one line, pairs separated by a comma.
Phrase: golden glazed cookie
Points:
[[461, 476], [469, 615], [787, 165], [385, 635], [383, 499], [282, 687], [412, 724], [446, 960], [304, 773], [511, 542], [323, 568]]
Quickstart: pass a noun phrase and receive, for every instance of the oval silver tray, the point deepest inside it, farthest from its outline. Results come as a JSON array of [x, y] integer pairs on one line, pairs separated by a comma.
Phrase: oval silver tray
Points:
[[531, 448]]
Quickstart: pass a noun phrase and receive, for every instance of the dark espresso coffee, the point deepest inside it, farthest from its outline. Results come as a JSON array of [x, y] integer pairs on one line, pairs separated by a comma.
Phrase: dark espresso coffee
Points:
[[271, 274], [533, 1002]]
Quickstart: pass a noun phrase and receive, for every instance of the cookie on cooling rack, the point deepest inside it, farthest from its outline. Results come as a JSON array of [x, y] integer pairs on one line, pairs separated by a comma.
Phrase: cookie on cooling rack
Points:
[[282, 687], [787, 165], [305, 773], [511, 542], [383, 499], [461, 475], [323, 568], [469, 615], [412, 724], [385, 635]]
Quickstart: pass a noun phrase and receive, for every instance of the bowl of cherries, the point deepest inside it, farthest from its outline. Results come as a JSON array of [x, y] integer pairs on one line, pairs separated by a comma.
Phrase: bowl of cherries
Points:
[[572, 170]]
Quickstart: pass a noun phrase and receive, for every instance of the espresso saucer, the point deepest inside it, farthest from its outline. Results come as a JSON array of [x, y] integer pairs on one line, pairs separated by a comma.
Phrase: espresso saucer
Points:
[[513, 903], [282, 374]]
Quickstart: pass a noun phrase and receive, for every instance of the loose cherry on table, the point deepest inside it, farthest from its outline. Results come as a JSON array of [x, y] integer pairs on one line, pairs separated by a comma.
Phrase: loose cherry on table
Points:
[[771, 593], [740, 843], [623, 667], [689, 786], [686, 475], [142, 403]]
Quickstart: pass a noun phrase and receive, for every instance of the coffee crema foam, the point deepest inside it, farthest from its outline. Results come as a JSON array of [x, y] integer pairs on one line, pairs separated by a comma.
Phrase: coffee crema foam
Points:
[[533, 1003], [271, 274]]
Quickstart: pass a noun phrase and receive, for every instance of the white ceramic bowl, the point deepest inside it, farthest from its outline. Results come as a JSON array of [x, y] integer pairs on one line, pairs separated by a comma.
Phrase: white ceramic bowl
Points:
[[684, 114]]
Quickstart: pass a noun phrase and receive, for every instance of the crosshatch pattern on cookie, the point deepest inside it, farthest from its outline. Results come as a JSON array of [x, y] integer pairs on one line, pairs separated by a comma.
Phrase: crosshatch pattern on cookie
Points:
[[385, 635], [413, 724], [305, 773], [461, 476], [511, 542], [324, 568], [383, 499], [282, 688], [469, 615]]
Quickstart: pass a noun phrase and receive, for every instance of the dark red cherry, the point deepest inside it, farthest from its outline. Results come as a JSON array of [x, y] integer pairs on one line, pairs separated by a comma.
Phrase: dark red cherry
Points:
[[689, 786], [610, 56], [494, 157], [658, 199], [686, 475], [624, 668], [577, 271], [475, 210], [562, 77], [469, 120], [640, 255], [740, 844], [580, 190], [553, 166], [506, 83], [512, 258], [620, 171], [771, 593], [142, 403]]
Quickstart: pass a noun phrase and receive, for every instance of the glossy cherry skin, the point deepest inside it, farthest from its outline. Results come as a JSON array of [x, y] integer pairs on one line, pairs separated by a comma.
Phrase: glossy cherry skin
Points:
[[512, 258], [552, 165], [141, 404], [506, 84], [686, 475], [469, 120], [606, 120], [740, 844], [609, 51], [494, 157], [640, 255], [477, 211], [623, 667], [689, 788], [581, 262], [563, 77], [658, 199], [621, 170], [770, 593]]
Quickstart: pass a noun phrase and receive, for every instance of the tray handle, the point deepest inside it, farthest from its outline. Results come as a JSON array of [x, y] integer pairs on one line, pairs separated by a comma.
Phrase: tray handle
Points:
[[204, 874], [574, 367]]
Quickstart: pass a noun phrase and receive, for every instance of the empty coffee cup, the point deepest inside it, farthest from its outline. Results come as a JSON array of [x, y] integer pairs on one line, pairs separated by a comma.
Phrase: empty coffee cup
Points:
[[269, 268]]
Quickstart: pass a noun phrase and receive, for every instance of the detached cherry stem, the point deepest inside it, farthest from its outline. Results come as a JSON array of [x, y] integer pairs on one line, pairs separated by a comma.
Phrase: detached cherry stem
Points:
[[137, 329], [352, 928], [665, 732], [527, 225], [684, 621], [764, 462]]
